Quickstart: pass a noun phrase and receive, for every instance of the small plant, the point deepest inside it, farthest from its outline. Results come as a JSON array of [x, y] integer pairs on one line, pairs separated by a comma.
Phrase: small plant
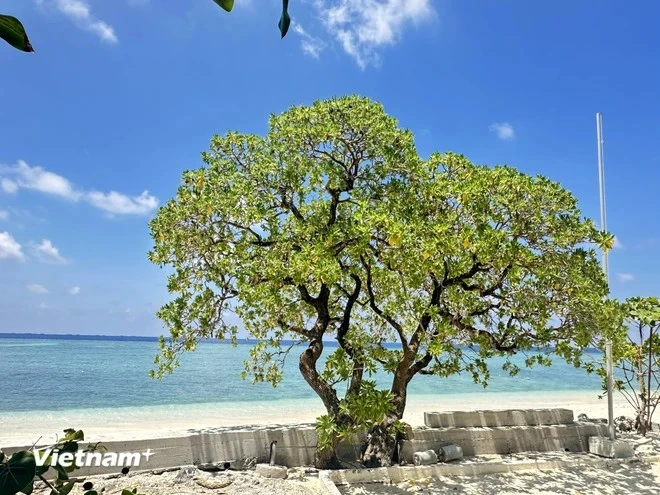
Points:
[[636, 349], [356, 414]]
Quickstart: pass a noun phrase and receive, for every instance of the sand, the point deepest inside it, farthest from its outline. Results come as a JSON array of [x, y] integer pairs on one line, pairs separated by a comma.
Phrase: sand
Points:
[[18, 429], [635, 478]]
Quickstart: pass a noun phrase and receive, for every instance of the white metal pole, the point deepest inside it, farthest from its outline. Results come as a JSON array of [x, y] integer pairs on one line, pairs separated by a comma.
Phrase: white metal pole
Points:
[[603, 226]]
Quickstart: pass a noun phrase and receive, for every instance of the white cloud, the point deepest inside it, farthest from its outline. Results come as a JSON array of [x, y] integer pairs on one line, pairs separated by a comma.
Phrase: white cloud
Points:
[[9, 248], [114, 202], [617, 243], [47, 253], [24, 176], [311, 45], [43, 306], [4, 214], [625, 277], [504, 131], [37, 289], [8, 186], [80, 13], [363, 27], [74, 291]]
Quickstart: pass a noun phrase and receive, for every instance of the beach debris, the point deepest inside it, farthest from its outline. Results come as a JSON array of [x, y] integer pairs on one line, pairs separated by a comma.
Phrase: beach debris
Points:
[[185, 474], [248, 462], [583, 418], [450, 452], [216, 466], [424, 458], [624, 424], [272, 471], [213, 482]]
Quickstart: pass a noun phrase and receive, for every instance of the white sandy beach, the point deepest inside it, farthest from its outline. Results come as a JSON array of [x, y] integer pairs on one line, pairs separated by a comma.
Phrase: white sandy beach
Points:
[[24, 428]]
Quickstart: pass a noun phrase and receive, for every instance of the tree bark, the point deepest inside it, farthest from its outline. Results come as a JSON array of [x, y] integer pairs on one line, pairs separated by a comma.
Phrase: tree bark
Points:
[[380, 448]]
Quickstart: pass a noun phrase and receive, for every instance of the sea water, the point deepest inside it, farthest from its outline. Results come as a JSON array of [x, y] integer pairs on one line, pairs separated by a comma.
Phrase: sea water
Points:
[[57, 374]]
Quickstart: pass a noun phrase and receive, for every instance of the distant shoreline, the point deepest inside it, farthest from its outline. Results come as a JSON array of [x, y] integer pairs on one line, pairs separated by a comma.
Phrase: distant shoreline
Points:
[[135, 338]]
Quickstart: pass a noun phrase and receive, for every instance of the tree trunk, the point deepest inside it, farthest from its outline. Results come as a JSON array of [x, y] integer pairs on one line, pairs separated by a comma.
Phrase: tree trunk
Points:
[[380, 448], [326, 459]]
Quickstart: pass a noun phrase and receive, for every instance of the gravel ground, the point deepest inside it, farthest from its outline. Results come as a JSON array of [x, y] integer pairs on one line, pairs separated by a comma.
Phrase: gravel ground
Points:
[[191, 481]]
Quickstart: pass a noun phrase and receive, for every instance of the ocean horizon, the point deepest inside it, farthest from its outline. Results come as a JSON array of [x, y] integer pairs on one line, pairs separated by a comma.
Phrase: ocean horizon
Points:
[[45, 372]]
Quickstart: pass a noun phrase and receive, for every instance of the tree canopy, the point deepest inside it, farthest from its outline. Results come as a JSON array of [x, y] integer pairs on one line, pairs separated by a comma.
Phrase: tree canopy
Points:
[[333, 227]]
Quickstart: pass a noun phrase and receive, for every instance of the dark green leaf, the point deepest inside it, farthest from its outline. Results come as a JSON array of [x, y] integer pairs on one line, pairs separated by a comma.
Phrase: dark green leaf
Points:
[[91, 492], [29, 488], [285, 19], [61, 472], [17, 473], [67, 488], [13, 32], [225, 4]]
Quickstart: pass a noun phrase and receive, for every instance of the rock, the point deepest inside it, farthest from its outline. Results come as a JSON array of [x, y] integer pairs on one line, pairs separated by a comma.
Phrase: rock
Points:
[[185, 474], [408, 432], [275, 471], [213, 482], [248, 462], [216, 466], [586, 419], [624, 424]]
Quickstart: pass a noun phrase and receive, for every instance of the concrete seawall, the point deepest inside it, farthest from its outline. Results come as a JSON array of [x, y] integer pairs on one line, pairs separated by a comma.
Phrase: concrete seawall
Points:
[[296, 445]]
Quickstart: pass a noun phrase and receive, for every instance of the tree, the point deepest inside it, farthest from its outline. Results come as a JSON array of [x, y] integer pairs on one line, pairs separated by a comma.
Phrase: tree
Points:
[[637, 356], [13, 32], [332, 227]]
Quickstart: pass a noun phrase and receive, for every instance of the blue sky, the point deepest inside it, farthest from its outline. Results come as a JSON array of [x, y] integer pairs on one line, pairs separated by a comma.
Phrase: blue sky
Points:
[[121, 97]]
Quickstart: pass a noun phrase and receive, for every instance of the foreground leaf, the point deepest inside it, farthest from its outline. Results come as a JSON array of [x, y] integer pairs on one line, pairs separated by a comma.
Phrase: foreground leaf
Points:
[[285, 19], [225, 4], [13, 32], [17, 473]]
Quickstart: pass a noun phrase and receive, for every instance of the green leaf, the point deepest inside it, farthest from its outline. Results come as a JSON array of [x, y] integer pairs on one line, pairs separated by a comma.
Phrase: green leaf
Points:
[[29, 488], [92, 492], [67, 488], [61, 472], [225, 4], [13, 32], [285, 19], [126, 491], [71, 434], [17, 473]]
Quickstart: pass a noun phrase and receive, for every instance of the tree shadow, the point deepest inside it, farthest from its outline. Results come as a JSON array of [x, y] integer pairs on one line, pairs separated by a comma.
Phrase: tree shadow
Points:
[[629, 478]]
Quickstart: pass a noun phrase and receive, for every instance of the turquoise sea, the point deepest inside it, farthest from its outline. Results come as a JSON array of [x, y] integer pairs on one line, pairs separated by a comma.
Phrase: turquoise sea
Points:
[[41, 374]]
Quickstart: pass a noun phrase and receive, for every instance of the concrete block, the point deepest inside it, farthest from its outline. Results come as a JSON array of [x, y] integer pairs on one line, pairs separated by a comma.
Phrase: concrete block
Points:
[[268, 471], [504, 440], [614, 449], [424, 458], [495, 417]]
